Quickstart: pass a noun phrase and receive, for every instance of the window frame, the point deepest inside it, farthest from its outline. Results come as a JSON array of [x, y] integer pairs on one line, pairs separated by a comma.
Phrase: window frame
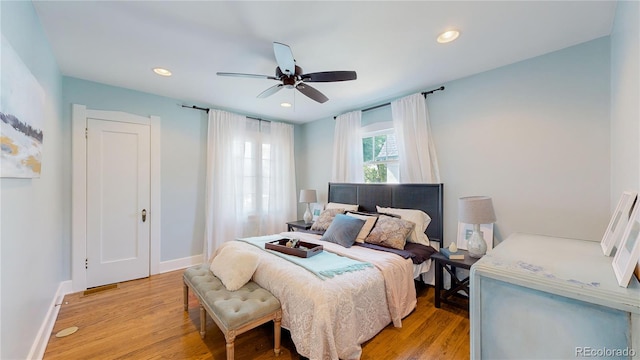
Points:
[[373, 130]]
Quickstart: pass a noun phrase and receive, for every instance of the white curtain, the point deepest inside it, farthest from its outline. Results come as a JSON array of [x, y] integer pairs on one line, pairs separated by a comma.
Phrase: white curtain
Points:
[[347, 149], [418, 160], [278, 203], [250, 182]]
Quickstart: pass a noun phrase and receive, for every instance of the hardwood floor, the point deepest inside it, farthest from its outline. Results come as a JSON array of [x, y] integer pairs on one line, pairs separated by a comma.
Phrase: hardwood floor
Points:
[[144, 319]]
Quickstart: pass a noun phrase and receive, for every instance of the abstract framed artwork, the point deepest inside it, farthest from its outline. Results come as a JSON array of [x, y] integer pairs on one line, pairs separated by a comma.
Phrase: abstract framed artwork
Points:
[[618, 222], [21, 118], [628, 253]]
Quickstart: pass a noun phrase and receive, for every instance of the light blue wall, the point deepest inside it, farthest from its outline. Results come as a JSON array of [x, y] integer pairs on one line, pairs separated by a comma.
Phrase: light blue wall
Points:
[[533, 135], [35, 215], [313, 156], [183, 143], [625, 92]]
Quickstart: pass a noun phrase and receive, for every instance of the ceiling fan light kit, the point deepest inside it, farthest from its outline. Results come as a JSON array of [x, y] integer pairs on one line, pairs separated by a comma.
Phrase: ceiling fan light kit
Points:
[[291, 76]]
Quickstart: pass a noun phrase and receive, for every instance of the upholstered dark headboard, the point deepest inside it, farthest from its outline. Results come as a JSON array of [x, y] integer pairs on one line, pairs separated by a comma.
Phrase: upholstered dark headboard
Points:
[[425, 197]]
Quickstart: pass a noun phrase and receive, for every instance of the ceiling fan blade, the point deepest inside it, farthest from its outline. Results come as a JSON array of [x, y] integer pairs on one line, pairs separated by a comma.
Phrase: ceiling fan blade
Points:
[[312, 93], [270, 91], [284, 58], [254, 76], [329, 76]]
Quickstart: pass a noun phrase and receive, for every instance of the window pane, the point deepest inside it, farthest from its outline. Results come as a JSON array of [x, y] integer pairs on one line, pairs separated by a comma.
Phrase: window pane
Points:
[[367, 149], [375, 173], [386, 148], [380, 149], [393, 173], [392, 147]]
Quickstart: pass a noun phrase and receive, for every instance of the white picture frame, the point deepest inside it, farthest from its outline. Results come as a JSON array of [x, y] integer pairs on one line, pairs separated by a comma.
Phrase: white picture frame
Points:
[[618, 223], [316, 209], [465, 230], [627, 254]]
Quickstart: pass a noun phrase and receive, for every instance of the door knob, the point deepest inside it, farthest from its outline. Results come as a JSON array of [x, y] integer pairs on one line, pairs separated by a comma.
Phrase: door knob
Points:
[[144, 215]]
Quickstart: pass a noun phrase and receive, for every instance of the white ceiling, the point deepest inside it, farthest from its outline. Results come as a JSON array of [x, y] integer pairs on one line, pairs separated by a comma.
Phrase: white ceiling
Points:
[[391, 45]]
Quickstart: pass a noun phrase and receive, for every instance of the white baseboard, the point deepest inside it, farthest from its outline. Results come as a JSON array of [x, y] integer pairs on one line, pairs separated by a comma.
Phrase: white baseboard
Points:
[[42, 339], [179, 264]]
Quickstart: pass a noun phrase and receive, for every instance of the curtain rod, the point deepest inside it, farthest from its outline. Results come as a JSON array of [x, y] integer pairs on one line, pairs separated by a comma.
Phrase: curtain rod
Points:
[[425, 93], [207, 111]]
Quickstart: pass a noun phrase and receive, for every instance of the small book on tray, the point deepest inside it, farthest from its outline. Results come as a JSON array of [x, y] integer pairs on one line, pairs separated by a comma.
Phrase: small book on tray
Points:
[[458, 255]]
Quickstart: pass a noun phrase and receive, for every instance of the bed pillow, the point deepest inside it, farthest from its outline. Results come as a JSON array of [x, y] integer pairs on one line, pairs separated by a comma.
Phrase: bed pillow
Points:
[[370, 221], [418, 217], [390, 232], [234, 267], [325, 219], [346, 207], [343, 230]]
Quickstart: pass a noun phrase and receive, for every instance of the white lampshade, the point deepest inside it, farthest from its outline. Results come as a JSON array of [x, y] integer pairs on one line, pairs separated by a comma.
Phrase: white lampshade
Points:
[[308, 196], [476, 210]]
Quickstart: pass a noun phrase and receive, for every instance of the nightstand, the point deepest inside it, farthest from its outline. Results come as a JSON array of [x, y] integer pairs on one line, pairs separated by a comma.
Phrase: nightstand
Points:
[[457, 284], [298, 225]]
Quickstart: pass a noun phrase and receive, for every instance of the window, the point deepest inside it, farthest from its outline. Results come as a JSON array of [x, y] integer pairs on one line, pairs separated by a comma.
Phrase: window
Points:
[[380, 156]]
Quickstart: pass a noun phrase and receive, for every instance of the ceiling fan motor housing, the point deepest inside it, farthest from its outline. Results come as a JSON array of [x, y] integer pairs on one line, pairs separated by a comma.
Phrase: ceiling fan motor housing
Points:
[[289, 79]]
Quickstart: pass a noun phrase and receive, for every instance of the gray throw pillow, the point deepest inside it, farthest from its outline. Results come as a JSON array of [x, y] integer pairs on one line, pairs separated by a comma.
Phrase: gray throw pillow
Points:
[[343, 230]]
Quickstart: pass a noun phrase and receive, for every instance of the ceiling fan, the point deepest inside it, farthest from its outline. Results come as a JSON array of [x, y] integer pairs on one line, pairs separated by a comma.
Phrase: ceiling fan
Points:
[[290, 75]]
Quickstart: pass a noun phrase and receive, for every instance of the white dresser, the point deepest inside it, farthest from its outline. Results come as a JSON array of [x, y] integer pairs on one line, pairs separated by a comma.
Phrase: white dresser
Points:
[[540, 297]]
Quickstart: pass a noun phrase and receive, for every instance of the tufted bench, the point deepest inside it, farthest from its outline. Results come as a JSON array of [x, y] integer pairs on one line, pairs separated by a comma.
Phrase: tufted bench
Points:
[[235, 312]]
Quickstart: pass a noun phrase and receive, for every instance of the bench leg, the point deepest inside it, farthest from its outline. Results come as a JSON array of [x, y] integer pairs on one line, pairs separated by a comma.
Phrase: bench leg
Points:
[[276, 332], [185, 294], [230, 337], [203, 322]]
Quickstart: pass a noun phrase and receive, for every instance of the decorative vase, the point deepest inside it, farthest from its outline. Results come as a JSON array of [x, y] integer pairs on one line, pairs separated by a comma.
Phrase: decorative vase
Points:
[[476, 245]]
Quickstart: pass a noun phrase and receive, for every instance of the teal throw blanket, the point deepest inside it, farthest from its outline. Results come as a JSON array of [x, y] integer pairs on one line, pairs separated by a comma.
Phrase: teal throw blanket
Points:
[[324, 265]]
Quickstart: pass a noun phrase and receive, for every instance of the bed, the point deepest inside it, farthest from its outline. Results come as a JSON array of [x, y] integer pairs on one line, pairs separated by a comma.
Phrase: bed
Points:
[[330, 317], [426, 197]]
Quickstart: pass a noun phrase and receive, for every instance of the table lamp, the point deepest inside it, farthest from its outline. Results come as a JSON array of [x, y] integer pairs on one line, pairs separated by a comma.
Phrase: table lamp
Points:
[[476, 210], [307, 196]]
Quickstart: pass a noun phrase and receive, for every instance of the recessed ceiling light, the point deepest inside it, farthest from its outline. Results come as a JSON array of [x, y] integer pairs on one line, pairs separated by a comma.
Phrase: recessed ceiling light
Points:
[[285, 104], [448, 36], [162, 72]]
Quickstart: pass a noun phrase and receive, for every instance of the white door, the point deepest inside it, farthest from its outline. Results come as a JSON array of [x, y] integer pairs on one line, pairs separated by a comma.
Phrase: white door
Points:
[[118, 168]]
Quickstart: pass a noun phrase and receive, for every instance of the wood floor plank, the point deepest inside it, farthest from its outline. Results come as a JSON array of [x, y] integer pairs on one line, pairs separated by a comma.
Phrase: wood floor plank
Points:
[[145, 319]]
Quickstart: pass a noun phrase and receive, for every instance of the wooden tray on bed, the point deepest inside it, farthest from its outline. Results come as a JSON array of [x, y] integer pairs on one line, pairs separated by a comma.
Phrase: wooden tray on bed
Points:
[[305, 250]]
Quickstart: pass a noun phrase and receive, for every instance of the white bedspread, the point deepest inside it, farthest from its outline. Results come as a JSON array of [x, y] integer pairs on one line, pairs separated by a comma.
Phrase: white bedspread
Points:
[[329, 319]]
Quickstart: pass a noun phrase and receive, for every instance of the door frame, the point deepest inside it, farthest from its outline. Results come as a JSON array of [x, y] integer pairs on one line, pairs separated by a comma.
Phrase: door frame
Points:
[[79, 115]]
